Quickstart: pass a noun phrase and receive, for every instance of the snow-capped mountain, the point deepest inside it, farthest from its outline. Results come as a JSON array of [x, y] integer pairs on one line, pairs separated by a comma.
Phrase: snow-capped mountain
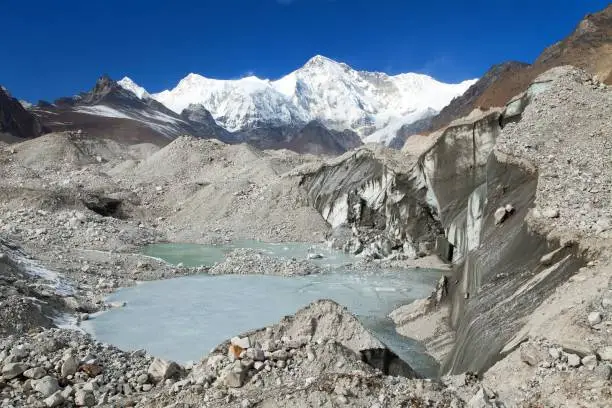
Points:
[[324, 90], [235, 104], [132, 86]]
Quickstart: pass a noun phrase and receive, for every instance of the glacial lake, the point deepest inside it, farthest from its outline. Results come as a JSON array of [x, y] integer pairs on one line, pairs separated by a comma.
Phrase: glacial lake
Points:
[[184, 318]]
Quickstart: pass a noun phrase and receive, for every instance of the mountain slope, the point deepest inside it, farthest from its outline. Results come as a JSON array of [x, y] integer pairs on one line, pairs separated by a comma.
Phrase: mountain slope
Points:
[[588, 47], [15, 120], [324, 90], [111, 111]]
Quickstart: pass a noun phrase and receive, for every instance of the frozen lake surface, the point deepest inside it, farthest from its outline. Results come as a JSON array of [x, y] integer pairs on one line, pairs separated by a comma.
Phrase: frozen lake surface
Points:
[[184, 318]]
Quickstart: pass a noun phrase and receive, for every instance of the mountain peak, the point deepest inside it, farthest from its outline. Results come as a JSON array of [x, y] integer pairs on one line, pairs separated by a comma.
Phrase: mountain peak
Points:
[[320, 60], [127, 84]]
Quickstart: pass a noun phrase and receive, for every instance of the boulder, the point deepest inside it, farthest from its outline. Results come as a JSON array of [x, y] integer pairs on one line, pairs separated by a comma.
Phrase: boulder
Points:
[[590, 361], [84, 398], [234, 351], [46, 386], [480, 400], [594, 318], [234, 375], [256, 354], [54, 400], [603, 371], [92, 370], [573, 360], [69, 366], [242, 342], [550, 213], [605, 353], [35, 373], [530, 354], [160, 370], [13, 370], [499, 215]]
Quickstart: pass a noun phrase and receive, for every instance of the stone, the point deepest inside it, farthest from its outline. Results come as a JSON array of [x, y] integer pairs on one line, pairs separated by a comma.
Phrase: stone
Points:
[[550, 213], [35, 373], [509, 208], [605, 353], [479, 400], [315, 256], [234, 351], [234, 375], [499, 215], [280, 355], [243, 342], [256, 354], [594, 318], [162, 370], [92, 370], [13, 370], [83, 398], [142, 379], [589, 361], [46, 386], [603, 371], [573, 360], [147, 387], [606, 302], [530, 354], [91, 386], [54, 400], [67, 392], [69, 366], [424, 248]]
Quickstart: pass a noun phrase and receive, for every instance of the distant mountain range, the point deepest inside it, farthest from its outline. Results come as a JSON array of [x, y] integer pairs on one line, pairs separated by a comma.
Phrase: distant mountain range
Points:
[[323, 90], [324, 107]]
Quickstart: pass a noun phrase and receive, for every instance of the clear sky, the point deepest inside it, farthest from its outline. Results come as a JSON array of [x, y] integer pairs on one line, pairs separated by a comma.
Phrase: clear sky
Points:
[[58, 48]]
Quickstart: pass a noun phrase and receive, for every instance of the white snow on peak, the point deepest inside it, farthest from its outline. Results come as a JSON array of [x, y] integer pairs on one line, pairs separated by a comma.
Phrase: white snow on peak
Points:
[[235, 104], [324, 90], [139, 91]]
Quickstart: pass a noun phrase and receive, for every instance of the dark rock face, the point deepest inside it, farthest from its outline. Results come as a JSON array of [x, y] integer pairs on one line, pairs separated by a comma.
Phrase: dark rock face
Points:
[[502, 280], [110, 111], [408, 130], [16, 120], [312, 138], [450, 195], [205, 125]]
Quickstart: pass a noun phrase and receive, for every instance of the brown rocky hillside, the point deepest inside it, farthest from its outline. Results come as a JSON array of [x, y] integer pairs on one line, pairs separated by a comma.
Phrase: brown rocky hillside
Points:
[[588, 47]]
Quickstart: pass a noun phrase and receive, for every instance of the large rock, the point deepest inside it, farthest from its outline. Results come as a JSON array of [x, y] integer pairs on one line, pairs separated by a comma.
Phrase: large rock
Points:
[[35, 373], [84, 398], [69, 366], [530, 354], [46, 386], [605, 353], [234, 375], [54, 400], [327, 320], [160, 370], [13, 370]]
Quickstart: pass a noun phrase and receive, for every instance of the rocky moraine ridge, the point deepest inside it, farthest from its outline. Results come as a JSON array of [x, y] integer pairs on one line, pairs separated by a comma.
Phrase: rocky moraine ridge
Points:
[[516, 199]]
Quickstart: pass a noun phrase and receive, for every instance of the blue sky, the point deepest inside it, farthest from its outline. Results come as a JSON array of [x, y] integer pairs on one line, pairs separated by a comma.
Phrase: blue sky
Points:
[[58, 48]]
